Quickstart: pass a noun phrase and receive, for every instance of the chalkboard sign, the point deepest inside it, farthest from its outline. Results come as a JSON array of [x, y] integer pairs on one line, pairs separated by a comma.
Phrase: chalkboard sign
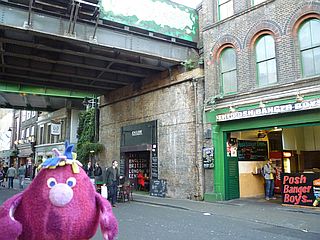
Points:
[[154, 168], [122, 167], [252, 150], [158, 187]]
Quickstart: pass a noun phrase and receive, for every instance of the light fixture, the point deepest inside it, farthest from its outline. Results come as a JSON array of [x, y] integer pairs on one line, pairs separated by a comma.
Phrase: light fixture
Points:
[[262, 105], [261, 134], [275, 129], [232, 109], [299, 98]]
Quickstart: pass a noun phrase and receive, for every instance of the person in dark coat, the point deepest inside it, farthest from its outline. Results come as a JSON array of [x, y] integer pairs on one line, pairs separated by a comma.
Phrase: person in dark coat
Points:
[[98, 177], [112, 181], [89, 170]]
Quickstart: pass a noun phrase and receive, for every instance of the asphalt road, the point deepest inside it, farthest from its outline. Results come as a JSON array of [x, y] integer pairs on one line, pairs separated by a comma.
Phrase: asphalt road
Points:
[[143, 220]]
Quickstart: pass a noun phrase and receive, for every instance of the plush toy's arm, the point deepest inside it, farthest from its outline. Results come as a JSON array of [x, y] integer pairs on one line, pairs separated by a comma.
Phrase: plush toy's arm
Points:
[[10, 228], [108, 222]]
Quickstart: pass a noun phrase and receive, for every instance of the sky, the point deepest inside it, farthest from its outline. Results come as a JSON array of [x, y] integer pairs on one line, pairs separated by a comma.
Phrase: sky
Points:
[[189, 3]]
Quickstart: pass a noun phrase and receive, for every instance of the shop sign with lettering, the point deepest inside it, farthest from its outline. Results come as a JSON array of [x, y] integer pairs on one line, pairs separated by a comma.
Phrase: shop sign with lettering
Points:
[[272, 110], [301, 189], [136, 133]]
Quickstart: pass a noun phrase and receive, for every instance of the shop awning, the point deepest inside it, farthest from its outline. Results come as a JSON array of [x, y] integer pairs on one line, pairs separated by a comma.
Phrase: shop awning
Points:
[[7, 153], [25, 152]]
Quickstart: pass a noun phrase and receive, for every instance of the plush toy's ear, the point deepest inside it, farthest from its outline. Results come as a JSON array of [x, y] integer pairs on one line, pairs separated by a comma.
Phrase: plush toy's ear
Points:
[[108, 222], [68, 151], [10, 228]]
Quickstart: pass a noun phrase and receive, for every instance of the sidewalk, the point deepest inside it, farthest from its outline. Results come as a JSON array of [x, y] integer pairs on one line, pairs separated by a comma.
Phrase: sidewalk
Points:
[[251, 209]]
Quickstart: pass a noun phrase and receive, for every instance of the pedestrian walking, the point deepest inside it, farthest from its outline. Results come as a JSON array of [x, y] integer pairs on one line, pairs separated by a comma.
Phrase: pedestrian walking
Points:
[[5, 169], [112, 181], [22, 174], [1, 176], [11, 173], [89, 170], [98, 177], [269, 174]]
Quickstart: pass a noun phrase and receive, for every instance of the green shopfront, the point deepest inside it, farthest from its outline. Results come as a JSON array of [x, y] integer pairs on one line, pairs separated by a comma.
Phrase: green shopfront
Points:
[[285, 131]]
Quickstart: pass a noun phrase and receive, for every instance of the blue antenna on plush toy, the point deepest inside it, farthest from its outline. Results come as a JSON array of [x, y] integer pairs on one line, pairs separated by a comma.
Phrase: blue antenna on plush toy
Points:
[[68, 150]]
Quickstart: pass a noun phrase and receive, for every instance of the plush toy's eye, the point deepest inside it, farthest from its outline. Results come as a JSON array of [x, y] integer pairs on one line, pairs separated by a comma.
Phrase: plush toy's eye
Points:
[[51, 182], [71, 182]]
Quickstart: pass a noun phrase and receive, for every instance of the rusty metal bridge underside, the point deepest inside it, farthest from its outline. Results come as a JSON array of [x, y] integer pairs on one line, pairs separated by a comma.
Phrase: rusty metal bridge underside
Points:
[[53, 49]]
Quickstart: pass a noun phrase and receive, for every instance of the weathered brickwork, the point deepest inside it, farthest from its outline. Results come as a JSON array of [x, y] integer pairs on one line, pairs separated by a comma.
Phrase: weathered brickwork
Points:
[[174, 103], [278, 17]]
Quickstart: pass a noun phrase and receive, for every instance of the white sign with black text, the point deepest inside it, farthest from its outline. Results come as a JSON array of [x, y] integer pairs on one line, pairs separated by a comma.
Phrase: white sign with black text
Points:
[[272, 110], [55, 129]]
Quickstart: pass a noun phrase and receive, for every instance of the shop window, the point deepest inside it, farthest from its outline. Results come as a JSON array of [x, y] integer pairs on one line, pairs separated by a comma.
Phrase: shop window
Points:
[[22, 134], [228, 71], [48, 140], [266, 61], [32, 131], [27, 132], [225, 8], [41, 134], [309, 42], [23, 115]]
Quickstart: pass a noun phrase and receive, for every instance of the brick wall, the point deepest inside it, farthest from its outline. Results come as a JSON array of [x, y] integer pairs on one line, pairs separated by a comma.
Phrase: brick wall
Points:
[[170, 101], [277, 16]]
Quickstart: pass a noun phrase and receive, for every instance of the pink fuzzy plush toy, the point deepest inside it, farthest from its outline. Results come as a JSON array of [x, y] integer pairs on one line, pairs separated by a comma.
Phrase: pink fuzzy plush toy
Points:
[[61, 204]]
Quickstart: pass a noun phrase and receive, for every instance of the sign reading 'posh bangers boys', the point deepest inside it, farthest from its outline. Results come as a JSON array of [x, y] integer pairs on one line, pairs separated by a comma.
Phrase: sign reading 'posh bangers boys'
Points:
[[300, 189], [272, 110]]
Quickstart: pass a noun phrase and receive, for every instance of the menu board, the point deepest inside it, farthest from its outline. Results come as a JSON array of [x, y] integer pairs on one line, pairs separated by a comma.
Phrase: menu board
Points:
[[158, 187], [154, 168], [122, 166], [252, 150]]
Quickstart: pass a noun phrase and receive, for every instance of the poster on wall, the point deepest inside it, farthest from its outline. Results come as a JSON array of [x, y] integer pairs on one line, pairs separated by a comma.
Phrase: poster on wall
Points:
[[252, 150], [232, 147], [207, 157], [301, 189]]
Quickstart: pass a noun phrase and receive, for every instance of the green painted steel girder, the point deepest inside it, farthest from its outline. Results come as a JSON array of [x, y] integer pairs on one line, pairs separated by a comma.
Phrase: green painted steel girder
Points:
[[43, 91]]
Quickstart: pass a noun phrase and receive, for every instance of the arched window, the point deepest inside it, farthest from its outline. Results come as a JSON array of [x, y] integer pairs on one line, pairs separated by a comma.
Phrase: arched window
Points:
[[266, 61], [309, 41], [228, 71]]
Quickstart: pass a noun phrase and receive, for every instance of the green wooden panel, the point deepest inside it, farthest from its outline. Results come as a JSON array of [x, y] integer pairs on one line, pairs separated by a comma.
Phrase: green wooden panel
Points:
[[232, 178], [219, 163], [281, 120]]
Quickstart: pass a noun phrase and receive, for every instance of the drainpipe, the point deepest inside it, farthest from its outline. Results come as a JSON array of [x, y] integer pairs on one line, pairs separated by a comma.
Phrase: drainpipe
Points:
[[197, 160]]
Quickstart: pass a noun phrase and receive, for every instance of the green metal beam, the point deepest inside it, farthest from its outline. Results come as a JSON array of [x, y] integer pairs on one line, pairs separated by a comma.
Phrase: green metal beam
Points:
[[43, 91]]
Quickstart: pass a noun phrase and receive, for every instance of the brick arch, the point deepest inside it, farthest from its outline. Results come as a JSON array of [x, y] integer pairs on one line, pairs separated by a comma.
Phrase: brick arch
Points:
[[224, 42], [264, 27], [307, 10]]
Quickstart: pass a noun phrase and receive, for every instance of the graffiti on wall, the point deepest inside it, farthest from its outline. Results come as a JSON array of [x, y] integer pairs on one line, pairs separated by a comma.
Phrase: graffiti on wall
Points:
[[160, 16]]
